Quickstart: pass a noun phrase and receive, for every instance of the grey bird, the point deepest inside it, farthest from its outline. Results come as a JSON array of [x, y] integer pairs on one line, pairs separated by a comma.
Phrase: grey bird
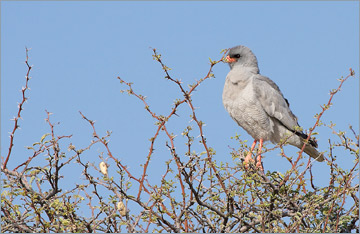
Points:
[[257, 105]]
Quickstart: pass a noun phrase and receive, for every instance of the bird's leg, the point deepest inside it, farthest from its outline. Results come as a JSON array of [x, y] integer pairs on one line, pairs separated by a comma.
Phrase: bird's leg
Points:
[[258, 159], [248, 156]]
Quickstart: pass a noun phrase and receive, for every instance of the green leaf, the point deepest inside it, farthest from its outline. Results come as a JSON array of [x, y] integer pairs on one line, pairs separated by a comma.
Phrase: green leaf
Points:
[[43, 137]]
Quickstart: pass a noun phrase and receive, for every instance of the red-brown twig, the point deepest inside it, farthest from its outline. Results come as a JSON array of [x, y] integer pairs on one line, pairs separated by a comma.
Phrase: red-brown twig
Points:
[[162, 120], [187, 95], [324, 108], [20, 108], [103, 141]]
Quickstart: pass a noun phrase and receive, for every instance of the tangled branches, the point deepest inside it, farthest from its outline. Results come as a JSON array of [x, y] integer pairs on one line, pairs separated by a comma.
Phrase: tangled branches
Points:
[[195, 192]]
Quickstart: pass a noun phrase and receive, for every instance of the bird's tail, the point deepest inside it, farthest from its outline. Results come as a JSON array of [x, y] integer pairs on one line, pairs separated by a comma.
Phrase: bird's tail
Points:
[[310, 148], [312, 152]]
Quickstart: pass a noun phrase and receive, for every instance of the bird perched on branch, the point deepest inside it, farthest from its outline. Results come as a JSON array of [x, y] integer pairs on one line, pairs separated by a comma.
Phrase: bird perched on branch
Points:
[[256, 104]]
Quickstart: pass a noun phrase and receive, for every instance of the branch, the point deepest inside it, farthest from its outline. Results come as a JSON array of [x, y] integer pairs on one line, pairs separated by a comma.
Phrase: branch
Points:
[[20, 108]]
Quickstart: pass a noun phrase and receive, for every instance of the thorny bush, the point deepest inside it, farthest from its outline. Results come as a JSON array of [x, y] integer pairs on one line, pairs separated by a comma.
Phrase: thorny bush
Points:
[[194, 194]]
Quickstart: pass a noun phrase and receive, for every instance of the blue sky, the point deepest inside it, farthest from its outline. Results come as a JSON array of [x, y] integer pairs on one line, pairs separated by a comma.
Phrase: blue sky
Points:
[[79, 48]]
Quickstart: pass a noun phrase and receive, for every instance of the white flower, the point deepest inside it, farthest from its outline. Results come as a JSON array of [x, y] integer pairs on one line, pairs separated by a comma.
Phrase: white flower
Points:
[[121, 208], [103, 168]]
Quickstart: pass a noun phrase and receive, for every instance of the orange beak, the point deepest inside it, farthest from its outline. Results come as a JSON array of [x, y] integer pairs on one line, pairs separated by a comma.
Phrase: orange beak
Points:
[[230, 60]]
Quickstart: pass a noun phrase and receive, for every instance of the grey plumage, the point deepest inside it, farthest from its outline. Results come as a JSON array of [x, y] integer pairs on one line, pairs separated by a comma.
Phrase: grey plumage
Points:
[[256, 103]]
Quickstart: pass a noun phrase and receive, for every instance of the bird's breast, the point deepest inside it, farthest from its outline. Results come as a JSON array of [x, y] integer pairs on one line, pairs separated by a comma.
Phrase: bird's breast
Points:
[[241, 102]]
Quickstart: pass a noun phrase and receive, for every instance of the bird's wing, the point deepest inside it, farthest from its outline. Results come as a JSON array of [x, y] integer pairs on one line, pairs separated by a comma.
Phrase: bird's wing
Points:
[[273, 102]]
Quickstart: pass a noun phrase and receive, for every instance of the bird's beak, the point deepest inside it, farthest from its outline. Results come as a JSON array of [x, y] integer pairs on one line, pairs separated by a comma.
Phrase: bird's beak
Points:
[[229, 60]]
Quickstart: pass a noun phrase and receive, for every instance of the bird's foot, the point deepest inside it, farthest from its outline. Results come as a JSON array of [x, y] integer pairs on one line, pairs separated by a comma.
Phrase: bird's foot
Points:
[[246, 163], [258, 163], [259, 166], [248, 160]]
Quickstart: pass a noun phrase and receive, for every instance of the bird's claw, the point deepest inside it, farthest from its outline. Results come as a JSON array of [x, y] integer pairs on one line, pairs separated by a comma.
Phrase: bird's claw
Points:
[[259, 166]]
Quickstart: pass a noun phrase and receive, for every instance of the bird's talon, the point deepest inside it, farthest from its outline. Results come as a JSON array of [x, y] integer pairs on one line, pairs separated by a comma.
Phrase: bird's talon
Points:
[[259, 166]]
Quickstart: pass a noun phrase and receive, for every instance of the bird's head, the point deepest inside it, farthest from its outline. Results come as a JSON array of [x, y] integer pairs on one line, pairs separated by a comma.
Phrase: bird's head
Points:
[[241, 56]]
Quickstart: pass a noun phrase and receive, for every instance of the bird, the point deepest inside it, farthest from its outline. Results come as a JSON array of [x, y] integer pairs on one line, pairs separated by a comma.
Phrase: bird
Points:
[[257, 105]]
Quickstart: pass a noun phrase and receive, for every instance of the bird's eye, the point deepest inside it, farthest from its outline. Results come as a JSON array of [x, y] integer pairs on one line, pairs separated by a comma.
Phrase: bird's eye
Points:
[[236, 56]]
